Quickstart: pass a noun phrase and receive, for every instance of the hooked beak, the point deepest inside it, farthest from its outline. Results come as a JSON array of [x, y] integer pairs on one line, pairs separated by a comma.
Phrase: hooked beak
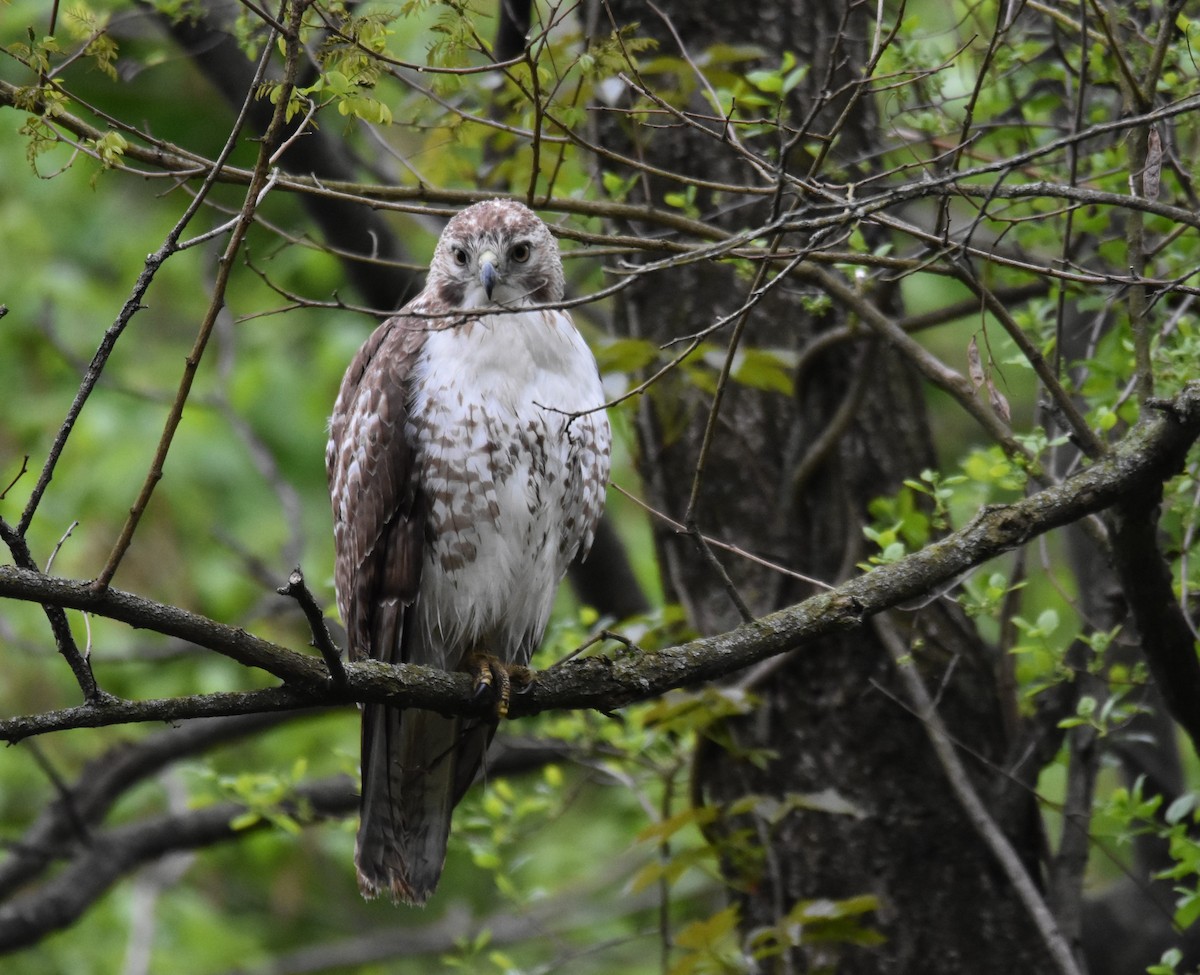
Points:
[[487, 272]]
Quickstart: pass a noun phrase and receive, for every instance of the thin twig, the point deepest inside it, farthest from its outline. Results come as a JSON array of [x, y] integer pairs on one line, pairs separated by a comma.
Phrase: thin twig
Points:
[[601, 637], [260, 181], [59, 544], [717, 543], [321, 639], [133, 304], [16, 477], [1083, 434], [706, 442], [64, 640]]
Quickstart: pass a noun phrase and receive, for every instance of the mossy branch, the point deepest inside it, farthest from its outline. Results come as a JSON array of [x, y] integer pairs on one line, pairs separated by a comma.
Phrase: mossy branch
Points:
[[1147, 457]]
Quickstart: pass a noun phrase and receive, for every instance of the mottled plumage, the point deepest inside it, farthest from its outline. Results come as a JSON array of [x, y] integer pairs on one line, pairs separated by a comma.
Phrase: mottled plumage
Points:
[[467, 463]]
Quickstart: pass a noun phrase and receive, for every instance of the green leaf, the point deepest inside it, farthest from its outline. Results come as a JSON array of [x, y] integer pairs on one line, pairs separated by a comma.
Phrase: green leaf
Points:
[[1168, 964], [625, 355], [765, 369], [666, 828], [487, 859], [501, 960], [1180, 808], [1187, 909], [615, 186], [1047, 621], [245, 820], [704, 934], [768, 81]]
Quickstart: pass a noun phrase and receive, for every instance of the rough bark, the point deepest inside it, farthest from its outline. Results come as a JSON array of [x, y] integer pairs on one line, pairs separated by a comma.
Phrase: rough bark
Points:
[[834, 718]]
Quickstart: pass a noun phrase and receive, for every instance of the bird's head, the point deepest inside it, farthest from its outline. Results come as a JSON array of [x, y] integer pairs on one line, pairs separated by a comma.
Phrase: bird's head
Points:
[[497, 253]]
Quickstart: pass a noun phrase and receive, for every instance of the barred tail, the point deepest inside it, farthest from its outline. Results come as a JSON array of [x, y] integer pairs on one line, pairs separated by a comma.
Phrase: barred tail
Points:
[[408, 764], [415, 767]]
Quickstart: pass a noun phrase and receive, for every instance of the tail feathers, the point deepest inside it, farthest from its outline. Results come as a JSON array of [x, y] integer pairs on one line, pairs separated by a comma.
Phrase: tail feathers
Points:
[[413, 765]]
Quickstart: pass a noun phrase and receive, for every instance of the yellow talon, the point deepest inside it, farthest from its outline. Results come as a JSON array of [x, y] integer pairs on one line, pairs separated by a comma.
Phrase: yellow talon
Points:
[[505, 691], [488, 670]]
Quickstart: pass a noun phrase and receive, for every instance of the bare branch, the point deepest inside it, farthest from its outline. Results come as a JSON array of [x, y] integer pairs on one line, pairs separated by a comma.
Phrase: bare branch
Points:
[[259, 183], [64, 639], [234, 642], [115, 852], [109, 776], [316, 621]]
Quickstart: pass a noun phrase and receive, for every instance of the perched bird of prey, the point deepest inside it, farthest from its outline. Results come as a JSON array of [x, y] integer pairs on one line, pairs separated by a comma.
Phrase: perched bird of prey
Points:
[[468, 456]]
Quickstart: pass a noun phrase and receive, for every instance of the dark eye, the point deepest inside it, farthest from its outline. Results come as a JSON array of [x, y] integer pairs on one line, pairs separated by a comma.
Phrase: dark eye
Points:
[[520, 252], [460, 256]]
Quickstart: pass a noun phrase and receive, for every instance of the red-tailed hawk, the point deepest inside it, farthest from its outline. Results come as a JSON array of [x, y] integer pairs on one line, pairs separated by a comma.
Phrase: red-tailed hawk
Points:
[[468, 456]]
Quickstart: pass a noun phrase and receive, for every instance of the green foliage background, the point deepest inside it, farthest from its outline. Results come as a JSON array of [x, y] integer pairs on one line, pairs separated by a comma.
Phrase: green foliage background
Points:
[[243, 497], [242, 501]]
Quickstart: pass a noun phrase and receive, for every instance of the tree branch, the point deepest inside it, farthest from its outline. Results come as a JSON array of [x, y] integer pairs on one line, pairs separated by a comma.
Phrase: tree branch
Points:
[[100, 858], [1166, 638], [64, 640], [1149, 455], [106, 778], [115, 852], [321, 639], [133, 304], [366, 242], [234, 642], [221, 704]]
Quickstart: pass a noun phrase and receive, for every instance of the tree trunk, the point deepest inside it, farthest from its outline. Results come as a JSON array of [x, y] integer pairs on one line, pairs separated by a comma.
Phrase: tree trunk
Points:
[[789, 479]]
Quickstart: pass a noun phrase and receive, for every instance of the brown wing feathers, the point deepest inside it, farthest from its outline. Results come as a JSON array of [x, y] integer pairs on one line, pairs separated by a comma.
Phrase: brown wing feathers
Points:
[[380, 530]]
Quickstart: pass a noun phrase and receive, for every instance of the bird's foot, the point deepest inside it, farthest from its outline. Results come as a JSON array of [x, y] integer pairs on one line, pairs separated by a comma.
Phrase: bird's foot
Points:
[[491, 677], [521, 677]]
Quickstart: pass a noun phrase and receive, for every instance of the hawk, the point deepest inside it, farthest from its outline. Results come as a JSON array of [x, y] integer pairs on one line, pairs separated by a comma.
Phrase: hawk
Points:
[[468, 457]]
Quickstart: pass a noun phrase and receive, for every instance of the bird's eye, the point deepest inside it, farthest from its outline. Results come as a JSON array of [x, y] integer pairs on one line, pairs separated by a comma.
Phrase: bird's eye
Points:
[[460, 256], [520, 252]]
